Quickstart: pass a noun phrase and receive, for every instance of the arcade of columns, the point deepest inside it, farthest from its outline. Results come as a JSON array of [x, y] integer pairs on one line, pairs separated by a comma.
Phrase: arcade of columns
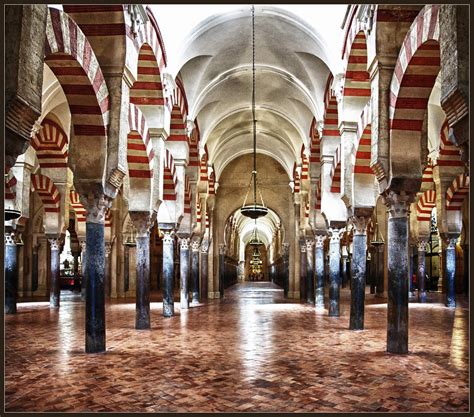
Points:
[[102, 146]]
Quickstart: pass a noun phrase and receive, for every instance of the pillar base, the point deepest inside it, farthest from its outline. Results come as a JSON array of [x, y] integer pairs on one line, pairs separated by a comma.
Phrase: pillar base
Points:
[[195, 298], [422, 297]]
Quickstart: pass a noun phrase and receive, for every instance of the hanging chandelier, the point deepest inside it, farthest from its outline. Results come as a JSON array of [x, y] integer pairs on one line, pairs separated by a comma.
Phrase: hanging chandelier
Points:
[[254, 210], [255, 241], [377, 238]]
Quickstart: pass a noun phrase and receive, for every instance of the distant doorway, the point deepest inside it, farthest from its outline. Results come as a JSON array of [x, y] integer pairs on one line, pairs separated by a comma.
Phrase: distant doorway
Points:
[[256, 268]]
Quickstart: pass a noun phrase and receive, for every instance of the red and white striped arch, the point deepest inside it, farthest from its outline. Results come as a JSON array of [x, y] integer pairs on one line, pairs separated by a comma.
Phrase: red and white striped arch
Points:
[[194, 146], [203, 166], [207, 218], [315, 143], [70, 56], [427, 177], [336, 172], [306, 210], [108, 219], [211, 185], [414, 76], [78, 208], [169, 180], [357, 83], [425, 205], [47, 191], [296, 180], [139, 147], [148, 88], [198, 209], [361, 153], [304, 165], [10, 184], [179, 114], [448, 153], [187, 196], [318, 195], [457, 192], [51, 145], [331, 118]]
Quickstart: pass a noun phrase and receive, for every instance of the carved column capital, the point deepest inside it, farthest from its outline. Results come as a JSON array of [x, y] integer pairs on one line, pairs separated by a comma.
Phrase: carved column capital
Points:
[[398, 204], [303, 247], [309, 244], [96, 206], [184, 243], [451, 242], [83, 244], [422, 245], [360, 224], [319, 240], [55, 242], [204, 247], [335, 234], [10, 239], [168, 237], [108, 248], [286, 248], [195, 245], [142, 221], [222, 249]]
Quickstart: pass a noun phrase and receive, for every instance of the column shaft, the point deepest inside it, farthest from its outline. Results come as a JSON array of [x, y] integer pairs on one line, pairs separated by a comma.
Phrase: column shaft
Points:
[[451, 273], [319, 266], [55, 288], [11, 274], [95, 296], [184, 274], [310, 272], [421, 272], [358, 278], [195, 274], [142, 316], [168, 275], [126, 268], [334, 276], [204, 272], [303, 272]]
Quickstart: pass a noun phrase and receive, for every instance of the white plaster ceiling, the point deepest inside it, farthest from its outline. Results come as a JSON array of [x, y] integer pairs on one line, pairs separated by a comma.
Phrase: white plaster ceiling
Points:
[[296, 47]]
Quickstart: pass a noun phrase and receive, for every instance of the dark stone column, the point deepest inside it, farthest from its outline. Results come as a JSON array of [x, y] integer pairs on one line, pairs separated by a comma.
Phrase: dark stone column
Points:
[[451, 271], [358, 272], [11, 273], [398, 269], [55, 287], [84, 268], [204, 269], [303, 271], [107, 283], [379, 269], [168, 273], [286, 272], [310, 271], [370, 270], [319, 270], [34, 271], [334, 270], [96, 205], [126, 268], [184, 273], [344, 266], [422, 244], [76, 271], [142, 222], [411, 249], [195, 270], [222, 249]]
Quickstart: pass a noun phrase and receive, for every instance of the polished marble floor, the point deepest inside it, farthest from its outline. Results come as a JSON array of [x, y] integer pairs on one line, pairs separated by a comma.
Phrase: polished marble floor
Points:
[[252, 351]]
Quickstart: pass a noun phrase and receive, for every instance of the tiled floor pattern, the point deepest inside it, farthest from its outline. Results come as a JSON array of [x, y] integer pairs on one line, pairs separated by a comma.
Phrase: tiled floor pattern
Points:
[[253, 351]]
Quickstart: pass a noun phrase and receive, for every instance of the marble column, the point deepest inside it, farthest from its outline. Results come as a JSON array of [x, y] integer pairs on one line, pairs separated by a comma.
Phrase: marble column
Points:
[[319, 270], [310, 271], [451, 271], [168, 273], [222, 250], [34, 270], [195, 270], [204, 269], [184, 273], [11, 273], [84, 268], [55, 285], [379, 269], [286, 271], [358, 272], [411, 249], [344, 266], [126, 268], [96, 205], [76, 271], [303, 272], [422, 245], [398, 269], [142, 222], [108, 251], [334, 270]]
